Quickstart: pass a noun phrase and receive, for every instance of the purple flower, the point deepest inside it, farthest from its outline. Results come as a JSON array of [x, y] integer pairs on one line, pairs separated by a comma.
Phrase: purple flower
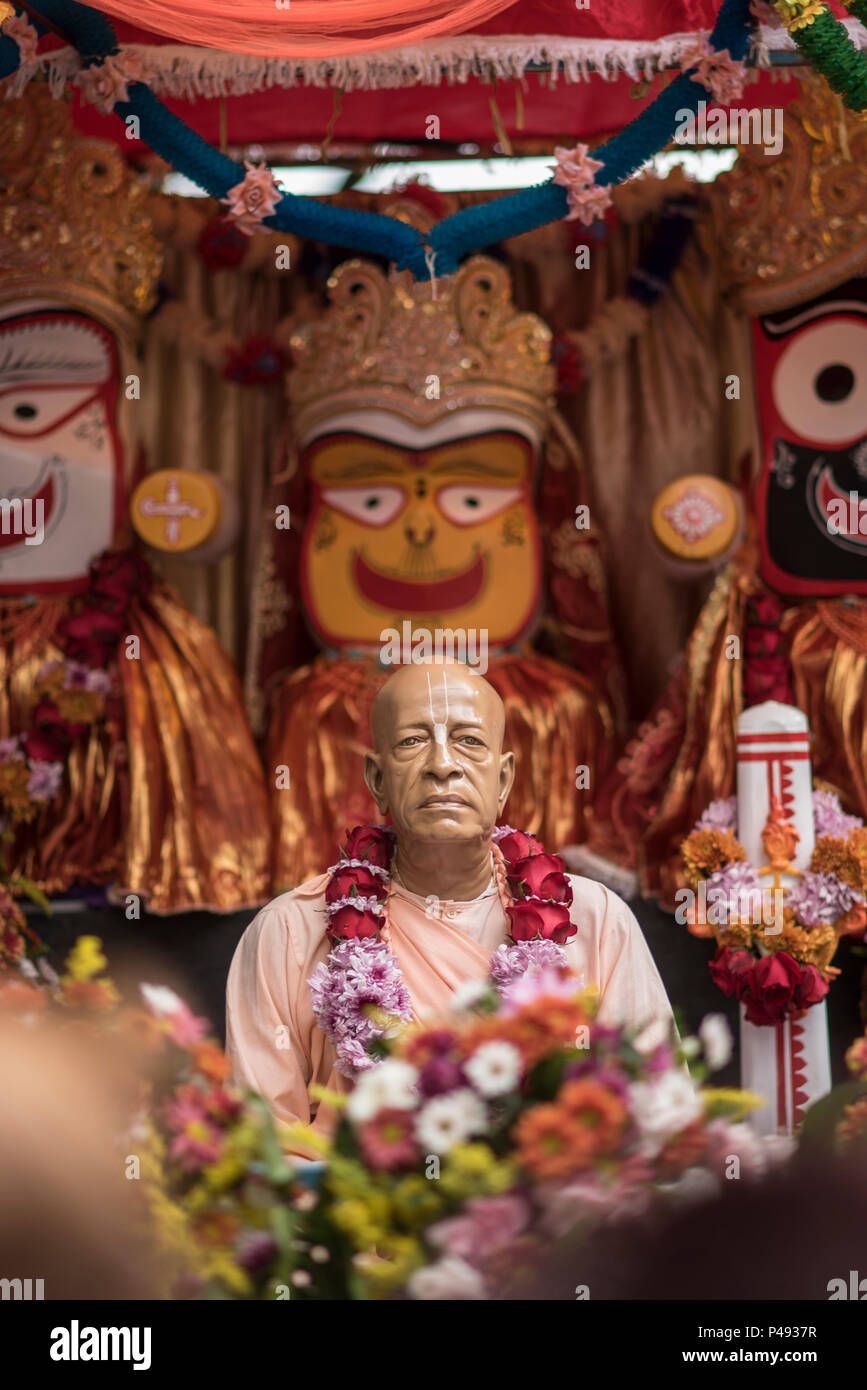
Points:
[[511, 963], [360, 978], [740, 884], [719, 815], [829, 817], [439, 1076], [44, 780], [821, 898], [10, 750]]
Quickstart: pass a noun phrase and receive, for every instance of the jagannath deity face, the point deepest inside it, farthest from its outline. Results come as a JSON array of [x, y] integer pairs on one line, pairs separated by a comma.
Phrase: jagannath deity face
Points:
[[60, 452], [811, 382], [431, 524]]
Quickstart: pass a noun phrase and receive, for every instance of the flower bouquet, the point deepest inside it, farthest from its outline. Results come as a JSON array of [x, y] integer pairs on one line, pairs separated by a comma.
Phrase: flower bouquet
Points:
[[775, 946], [471, 1147]]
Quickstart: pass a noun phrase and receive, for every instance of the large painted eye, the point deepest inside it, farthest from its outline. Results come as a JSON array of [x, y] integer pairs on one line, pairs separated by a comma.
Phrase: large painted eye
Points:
[[30, 410], [820, 383], [375, 506], [467, 504]]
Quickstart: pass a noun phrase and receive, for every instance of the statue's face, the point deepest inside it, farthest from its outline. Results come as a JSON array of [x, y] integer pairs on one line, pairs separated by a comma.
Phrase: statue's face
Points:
[[440, 533], [60, 456], [439, 767], [811, 383]]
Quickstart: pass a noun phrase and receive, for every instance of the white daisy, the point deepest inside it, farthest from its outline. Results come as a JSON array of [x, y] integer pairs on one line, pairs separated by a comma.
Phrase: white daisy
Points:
[[451, 1279], [664, 1107], [449, 1120], [494, 1068], [388, 1086], [716, 1038]]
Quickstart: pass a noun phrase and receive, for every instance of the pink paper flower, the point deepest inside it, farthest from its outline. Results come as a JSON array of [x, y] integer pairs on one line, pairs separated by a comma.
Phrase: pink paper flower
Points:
[[716, 70], [24, 34], [487, 1224], [253, 199], [576, 172], [106, 83]]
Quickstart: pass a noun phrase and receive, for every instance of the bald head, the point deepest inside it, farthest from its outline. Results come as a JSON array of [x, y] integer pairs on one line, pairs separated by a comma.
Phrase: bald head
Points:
[[439, 690], [438, 765]]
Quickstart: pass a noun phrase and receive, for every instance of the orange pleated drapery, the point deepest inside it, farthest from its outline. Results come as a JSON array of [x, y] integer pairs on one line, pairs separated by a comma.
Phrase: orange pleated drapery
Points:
[[304, 28]]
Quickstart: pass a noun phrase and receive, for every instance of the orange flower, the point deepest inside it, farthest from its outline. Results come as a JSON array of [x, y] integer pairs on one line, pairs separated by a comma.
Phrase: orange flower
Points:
[[551, 1143], [598, 1110], [210, 1060], [706, 851], [683, 1151], [847, 859]]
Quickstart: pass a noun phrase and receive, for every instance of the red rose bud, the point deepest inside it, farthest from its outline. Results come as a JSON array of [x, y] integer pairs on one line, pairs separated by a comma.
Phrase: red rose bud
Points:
[[540, 876], [772, 995], [540, 921], [348, 924], [371, 842], [811, 988], [732, 971], [365, 883], [518, 846]]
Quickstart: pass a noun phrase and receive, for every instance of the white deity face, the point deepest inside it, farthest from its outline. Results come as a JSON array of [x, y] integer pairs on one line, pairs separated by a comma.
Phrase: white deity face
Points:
[[60, 455]]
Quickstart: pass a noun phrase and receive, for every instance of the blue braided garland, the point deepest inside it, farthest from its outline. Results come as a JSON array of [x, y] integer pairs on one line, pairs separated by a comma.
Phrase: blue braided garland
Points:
[[453, 237], [621, 156]]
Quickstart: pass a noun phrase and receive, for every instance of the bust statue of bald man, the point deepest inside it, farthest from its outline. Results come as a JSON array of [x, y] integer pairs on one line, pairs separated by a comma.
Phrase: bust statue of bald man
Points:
[[438, 770]]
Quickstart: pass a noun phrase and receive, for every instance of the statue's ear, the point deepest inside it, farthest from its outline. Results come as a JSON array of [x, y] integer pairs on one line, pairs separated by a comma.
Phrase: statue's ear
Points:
[[507, 777], [374, 781]]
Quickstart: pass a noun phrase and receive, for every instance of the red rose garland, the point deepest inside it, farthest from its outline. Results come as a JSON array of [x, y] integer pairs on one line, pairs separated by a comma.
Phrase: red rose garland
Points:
[[359, 993]]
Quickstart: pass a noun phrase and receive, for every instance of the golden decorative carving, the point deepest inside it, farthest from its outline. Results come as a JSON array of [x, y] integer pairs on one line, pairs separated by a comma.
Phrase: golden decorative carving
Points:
[[793, 225], [72, 220], [419, 349]]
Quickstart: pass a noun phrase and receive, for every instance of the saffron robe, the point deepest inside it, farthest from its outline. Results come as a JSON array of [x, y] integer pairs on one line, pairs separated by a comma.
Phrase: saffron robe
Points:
[[274, 1044]]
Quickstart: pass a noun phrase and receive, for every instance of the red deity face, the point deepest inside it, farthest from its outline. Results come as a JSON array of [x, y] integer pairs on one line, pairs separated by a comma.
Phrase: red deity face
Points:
[[811, 497], [60, 455]]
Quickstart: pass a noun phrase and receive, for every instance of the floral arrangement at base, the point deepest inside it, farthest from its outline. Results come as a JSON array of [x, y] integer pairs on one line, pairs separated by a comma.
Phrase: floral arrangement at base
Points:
[[458, 1161], [777, 963], [476, 1145]]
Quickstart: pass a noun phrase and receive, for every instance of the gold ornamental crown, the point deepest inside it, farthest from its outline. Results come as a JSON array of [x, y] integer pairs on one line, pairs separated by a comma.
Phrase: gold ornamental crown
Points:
[[72, 219], [423, 349], [794, 225]]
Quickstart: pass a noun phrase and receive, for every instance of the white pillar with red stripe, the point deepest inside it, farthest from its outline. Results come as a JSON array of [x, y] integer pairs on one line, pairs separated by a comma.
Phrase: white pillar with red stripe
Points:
[[790, 1063]]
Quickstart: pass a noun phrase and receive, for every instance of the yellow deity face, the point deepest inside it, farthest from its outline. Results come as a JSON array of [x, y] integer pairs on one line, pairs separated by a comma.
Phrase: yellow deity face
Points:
[[442, 536]]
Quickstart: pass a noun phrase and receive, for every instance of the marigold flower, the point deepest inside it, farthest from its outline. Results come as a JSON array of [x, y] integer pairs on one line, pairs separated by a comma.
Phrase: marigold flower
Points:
[[552, 1143], [705, 852]]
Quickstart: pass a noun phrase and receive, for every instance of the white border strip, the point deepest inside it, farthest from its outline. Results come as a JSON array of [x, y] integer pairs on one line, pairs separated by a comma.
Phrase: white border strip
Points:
[[186, 71]]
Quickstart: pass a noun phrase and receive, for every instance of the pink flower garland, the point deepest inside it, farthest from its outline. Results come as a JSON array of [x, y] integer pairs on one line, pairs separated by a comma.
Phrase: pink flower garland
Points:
[[253, 199], [576, 172], [359, 994], [716, 70]]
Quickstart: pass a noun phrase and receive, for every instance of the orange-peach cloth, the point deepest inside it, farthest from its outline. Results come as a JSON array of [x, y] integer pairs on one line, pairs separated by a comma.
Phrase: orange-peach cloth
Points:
[[274, 1044]]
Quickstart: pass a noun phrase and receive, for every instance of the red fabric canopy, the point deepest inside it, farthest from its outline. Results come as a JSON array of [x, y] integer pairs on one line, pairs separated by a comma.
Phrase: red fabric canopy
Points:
[[585, 109]]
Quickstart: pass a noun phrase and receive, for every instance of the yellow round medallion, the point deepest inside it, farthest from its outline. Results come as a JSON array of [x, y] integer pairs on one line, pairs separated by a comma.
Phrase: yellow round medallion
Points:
[[696, 517], [176, 509]]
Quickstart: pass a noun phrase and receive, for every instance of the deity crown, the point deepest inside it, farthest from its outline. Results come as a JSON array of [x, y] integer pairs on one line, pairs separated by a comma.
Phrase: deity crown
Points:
[[794, 225], [72, 218], [423, 349]]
